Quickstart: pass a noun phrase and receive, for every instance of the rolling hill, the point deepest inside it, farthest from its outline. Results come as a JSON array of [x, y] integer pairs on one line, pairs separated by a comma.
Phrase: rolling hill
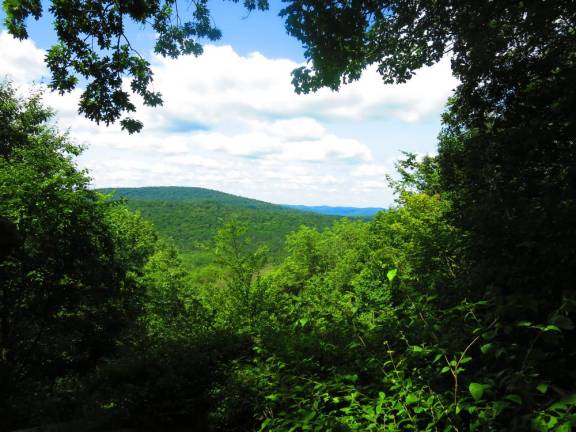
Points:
[[191, 217], [186, 194]]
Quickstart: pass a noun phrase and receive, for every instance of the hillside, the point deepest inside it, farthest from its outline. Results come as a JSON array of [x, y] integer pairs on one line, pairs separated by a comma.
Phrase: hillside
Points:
[[191, 217], [186, 194]]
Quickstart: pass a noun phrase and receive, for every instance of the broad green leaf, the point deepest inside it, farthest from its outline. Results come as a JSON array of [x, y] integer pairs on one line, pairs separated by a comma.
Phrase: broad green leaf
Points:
[[514, 398], [524, 324], [542, 388], [485, 348], [391, 275], [476, 390], [565, 402], [411, 398], [309, 416]]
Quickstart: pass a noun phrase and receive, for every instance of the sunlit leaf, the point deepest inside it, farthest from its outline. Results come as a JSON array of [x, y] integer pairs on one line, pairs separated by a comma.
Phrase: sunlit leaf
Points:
[[476, 390]]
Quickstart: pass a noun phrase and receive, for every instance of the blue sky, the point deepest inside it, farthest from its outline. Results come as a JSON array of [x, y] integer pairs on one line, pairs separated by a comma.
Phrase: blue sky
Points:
[[231, 121]]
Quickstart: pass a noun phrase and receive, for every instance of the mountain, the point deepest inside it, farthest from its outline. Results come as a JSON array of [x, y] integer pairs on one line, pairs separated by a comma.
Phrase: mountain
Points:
[[185, 194], [338, 211], [191, 217]]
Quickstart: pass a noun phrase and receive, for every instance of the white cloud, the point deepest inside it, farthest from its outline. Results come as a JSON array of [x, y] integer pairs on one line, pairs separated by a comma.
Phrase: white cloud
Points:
[[370, 170], [22, 62], [234, 123], [294, 129], [329, 147], [221, 85], [373, 184], [192, 160], [250, 144]]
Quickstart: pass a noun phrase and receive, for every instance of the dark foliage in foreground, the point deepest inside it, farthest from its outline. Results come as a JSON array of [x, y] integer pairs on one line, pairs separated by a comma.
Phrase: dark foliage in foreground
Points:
[[363, 326], [69, 268], [452, 311]]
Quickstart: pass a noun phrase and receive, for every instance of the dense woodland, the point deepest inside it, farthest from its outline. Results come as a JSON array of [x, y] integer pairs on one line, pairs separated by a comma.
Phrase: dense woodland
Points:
[[452, 311], [190, 217]]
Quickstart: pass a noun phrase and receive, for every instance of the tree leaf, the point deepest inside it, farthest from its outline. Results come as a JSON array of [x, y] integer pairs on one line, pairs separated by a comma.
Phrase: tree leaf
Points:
[[411, 398], [524, 324], [391, 275], [514, 398], [476, 390]]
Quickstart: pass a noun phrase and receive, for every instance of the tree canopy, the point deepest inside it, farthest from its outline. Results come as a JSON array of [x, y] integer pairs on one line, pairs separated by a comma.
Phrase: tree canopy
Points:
[[507, 151], [453, 311], [93, 44], [69, 260]]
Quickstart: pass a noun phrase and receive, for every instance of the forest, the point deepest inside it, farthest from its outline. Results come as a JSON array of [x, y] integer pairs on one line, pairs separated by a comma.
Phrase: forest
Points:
[[451, 311], [190, 217]]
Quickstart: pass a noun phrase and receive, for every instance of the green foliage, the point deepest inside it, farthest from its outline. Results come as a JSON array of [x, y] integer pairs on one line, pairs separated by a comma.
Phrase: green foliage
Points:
[[69, 274], [93, 43], [342, 38], [190, 217], [360, 326], [243, 293], [193, 327], [416, 176], [452, 311], [340, 356], [506, 168], [186, 194]]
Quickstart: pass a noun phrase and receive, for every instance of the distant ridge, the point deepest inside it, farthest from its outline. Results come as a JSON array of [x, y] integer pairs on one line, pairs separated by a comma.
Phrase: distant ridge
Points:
[[338, 211], [187, 194], [191, 216]]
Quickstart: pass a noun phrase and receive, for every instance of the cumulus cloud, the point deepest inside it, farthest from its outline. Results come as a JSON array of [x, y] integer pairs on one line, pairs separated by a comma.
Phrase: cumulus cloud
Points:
[[22, 62], [233, 122], [192, 160], [222, 84], [293, 129], [373, 184], [370, 170]]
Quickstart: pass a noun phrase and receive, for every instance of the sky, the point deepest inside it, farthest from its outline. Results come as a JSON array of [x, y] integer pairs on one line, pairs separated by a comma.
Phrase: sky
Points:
[[232, 122]]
